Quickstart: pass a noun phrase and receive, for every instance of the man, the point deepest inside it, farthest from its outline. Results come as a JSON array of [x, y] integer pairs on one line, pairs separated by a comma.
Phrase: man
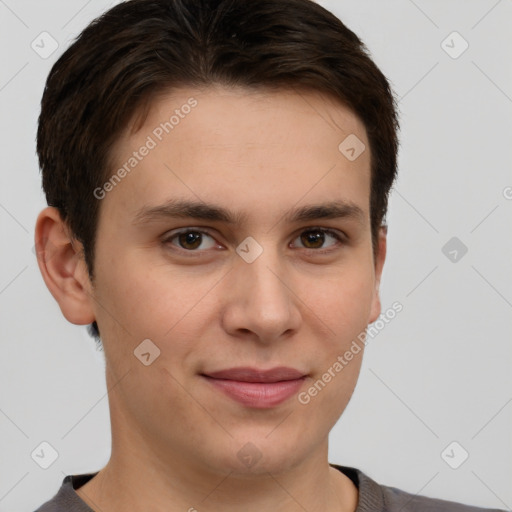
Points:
[[217, 174]]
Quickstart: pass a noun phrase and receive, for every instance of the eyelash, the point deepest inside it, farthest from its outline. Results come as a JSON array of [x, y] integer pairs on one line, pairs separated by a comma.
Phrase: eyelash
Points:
[[341, 238]]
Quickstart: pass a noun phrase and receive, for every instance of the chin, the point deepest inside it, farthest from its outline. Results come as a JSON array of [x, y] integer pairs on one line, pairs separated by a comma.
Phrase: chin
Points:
[[259, 454]]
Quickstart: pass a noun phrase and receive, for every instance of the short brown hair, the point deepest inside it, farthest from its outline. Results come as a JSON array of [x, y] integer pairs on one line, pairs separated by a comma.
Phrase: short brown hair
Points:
[[141, 48]]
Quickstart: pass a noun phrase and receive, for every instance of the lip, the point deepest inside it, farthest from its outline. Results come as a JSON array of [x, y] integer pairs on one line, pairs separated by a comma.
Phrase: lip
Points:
[[249, 374], [257, 388]]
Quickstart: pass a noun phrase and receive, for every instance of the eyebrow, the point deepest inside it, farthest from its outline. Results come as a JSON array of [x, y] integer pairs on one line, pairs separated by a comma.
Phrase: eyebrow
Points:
[[181, 208]]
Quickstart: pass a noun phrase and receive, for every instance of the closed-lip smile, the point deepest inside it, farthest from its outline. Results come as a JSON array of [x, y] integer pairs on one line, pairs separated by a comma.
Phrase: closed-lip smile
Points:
[[255, 387]]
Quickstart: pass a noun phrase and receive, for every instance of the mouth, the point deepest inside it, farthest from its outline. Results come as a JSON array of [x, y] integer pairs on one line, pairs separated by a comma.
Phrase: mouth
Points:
[[257, 388]]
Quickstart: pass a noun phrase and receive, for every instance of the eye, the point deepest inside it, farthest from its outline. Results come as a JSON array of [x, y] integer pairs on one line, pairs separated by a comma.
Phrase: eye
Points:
[[314, 238], [198, 240], [190, 240]]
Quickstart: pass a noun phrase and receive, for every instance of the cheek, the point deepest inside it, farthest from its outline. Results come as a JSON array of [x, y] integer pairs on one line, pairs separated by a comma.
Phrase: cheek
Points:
[[168, 306], [330, 390], [344, 302], [344, 306], [150, 302]]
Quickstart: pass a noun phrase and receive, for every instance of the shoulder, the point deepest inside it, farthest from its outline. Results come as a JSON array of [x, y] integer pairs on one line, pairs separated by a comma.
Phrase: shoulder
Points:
[[396, 499], [374, 497], [66, 499]]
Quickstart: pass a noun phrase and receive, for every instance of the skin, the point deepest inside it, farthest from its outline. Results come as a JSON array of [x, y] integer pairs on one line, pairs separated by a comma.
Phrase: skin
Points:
[[175, 438]]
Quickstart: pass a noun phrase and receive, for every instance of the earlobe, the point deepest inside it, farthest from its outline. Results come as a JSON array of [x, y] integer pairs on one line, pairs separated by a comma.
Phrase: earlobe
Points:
[[61, 262], [379, 265]]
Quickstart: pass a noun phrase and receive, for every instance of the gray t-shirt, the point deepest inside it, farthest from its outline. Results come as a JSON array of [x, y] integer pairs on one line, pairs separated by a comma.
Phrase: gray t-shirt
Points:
[[373, 497]]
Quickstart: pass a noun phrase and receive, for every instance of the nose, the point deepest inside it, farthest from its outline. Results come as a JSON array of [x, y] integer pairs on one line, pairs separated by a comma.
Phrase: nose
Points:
[[261, 300]]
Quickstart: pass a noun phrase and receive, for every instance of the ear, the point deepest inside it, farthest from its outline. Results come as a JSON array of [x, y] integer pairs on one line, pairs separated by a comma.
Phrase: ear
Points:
[[379, 265], [61, 262]]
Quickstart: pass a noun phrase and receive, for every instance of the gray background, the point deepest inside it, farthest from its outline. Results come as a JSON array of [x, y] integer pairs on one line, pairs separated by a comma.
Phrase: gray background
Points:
[[438, 373]]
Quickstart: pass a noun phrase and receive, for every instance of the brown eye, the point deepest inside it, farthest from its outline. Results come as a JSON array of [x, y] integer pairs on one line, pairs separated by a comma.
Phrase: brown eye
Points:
[[316, 237], [312, 239], [190, 240]]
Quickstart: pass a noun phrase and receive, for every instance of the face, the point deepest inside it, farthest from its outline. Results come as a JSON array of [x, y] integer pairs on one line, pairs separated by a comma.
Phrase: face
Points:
[[247, 276]]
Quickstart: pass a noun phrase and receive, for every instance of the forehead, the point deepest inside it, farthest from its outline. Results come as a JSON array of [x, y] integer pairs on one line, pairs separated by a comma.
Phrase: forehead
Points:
[[243, 147]]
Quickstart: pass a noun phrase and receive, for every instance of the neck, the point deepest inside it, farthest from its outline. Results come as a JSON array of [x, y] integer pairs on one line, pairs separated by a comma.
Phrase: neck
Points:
[[133, 479]]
